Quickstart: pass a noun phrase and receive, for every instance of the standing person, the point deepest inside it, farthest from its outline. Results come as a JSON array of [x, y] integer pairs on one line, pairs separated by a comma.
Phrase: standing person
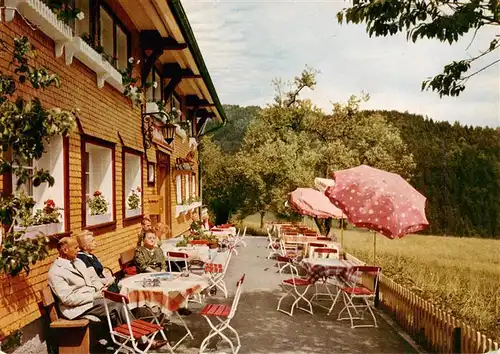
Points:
[[196, 224], [146, 226], [206, 224]]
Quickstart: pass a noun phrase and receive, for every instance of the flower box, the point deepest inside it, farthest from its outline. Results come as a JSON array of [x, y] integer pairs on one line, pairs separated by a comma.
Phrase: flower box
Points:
[[88, 56], [182, 208], [130, 213], [41, 15], [114, 78], [46, 229], [98, 219]]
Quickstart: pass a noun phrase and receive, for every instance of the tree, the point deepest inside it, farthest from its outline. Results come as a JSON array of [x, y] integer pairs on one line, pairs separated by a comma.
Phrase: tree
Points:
[[230, 136], [221, 181], [444, 20]]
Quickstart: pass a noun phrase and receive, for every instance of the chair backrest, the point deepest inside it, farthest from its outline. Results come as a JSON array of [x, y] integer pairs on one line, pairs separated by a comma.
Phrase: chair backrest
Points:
[[115, 297], [49, 303], [177, 256], [198, 242], [355, 274], [324, 253], [126, 257], [321, 245], [323, 238], [236, 300]]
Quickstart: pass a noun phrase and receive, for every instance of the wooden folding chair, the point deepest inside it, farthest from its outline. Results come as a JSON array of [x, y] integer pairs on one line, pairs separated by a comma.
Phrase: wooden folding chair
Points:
[[223, 314], [354, 291], [127, 335], [294, 284]]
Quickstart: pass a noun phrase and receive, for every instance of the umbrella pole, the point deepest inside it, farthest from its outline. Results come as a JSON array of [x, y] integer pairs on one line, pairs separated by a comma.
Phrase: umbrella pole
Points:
[[342, 232], [374, 247]]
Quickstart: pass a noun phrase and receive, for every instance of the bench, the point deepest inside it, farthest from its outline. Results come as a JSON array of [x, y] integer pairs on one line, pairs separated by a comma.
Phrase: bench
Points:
[[73, 336]]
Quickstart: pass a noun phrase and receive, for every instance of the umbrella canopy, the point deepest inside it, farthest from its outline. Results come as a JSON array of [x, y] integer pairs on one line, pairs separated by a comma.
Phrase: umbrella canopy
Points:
[[379, 200], [308, 201], [322, 184]]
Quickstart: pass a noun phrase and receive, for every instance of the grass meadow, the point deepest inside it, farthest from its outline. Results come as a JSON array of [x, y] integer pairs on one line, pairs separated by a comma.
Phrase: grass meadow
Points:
[[461, 275]]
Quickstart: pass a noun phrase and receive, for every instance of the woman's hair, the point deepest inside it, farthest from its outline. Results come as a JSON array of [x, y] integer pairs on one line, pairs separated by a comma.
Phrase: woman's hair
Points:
[[161, 229], [82, 236]]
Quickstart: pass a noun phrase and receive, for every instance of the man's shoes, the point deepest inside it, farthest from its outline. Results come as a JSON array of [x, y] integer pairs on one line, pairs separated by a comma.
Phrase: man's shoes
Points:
[[184, 311]]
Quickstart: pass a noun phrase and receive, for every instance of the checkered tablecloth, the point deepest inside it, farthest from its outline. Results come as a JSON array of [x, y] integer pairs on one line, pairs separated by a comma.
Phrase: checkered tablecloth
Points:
[[323, 268], [169, 297]]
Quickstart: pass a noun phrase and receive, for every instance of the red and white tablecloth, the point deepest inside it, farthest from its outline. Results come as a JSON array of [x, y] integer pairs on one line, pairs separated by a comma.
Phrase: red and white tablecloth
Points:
[[194, 252], [169, 297], [323, 268]]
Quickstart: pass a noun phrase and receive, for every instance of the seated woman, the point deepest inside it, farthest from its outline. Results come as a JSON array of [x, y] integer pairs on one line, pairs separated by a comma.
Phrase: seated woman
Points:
[[87, 244], [162, 231], [149, 258]]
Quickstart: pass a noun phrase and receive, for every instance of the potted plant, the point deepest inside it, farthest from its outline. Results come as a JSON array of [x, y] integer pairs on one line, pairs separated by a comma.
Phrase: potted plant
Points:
[[44, 221], [134, 203], [98, 209]]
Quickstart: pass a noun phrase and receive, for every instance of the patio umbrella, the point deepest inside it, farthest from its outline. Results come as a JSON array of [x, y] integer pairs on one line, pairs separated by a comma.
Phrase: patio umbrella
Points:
[[379, 200], [308, 201]]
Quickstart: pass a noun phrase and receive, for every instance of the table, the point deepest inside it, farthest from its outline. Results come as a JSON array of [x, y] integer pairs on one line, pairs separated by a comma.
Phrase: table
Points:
[[223, 234], [169, 297], [306, 240], [194, 252], [322, 268]]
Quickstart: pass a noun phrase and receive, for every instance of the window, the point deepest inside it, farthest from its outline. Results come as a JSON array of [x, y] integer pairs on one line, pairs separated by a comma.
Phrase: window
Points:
[[193, 186], [154, 93], [98, 177], [187, 190], [53, 161], [82, 27], [132, 182], [178, 189]]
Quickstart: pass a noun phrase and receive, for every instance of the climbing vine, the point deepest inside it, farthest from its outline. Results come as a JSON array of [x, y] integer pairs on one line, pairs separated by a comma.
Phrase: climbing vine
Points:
[[25, 125]]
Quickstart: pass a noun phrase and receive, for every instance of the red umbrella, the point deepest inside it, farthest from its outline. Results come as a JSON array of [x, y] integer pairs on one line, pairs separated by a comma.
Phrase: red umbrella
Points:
[[308, 201], [379, 200]]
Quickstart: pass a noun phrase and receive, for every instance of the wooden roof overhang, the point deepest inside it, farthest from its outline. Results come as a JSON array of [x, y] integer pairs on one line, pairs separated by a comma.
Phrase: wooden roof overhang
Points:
[[167, 38]]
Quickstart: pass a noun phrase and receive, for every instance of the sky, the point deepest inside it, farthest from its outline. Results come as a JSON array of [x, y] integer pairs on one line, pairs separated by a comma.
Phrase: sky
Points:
[[247, 44]]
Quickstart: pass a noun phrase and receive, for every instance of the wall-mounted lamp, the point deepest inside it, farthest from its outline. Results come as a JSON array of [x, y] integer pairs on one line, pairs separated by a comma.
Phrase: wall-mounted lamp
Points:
[[149, 121]]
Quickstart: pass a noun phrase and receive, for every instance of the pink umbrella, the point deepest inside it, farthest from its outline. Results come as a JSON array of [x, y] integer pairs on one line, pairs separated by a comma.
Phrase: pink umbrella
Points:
[[379, 200], [308, 201]]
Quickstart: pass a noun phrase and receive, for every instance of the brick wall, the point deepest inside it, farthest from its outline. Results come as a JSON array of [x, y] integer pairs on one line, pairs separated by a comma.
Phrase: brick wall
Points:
[[104, 113]]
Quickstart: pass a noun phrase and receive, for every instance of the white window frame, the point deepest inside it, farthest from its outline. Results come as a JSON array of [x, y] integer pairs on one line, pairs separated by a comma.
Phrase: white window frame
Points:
[[132, 180], [187, 195], [101, 173], [53, 161], [178, 189], [193, 186]]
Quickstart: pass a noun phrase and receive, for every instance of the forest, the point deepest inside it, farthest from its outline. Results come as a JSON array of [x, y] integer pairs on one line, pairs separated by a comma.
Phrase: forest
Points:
[[247, 169]]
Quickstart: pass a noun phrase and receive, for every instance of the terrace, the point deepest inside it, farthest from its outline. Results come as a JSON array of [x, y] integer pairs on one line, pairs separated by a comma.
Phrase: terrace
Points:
[[264, 330]]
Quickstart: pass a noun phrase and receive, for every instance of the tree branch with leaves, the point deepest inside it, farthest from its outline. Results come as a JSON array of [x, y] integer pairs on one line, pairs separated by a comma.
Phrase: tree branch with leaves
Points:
[[444, 20]]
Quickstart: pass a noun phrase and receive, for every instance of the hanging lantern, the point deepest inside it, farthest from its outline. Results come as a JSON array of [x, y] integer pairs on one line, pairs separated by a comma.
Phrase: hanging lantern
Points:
[[169, 132]]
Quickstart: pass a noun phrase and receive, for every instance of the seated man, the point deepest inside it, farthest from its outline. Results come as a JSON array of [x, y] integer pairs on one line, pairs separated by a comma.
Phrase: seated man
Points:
[[149, 258], [79, 291], [87, 244]]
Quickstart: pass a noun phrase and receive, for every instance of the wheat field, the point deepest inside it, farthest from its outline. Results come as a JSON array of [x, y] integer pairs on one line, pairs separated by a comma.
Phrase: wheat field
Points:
[[461, 275]]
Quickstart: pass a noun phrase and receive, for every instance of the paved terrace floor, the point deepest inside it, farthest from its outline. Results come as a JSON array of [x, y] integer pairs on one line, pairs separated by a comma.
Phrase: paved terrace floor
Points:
[[262, 329]]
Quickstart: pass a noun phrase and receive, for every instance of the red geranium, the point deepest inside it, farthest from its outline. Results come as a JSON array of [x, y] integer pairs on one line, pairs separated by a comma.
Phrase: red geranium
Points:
[[97, 193], [49, 203]]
